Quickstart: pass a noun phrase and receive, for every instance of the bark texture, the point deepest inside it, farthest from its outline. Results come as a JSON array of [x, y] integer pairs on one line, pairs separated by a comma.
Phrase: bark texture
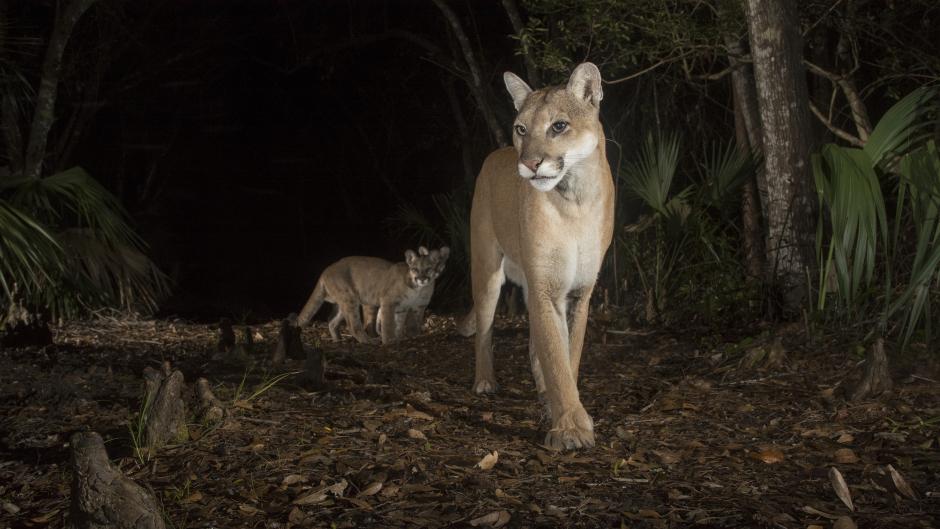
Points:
[[783, 101], [877, 378], [748, 137], [44, 114], [211, 409], [226, 336], [289, 344], [102, 497], [164, 409]]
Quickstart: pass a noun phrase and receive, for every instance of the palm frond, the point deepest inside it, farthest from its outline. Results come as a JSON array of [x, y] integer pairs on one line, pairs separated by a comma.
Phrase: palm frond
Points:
[[725, 169], [650, 176], [897, 130], [29, 255]]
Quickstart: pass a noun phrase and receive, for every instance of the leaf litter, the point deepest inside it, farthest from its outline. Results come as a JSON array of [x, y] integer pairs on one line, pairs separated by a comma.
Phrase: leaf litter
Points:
[[686, 435]]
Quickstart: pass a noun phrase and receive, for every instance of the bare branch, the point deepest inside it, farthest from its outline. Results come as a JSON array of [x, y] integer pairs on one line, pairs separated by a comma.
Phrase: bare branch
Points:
[[835, 130]]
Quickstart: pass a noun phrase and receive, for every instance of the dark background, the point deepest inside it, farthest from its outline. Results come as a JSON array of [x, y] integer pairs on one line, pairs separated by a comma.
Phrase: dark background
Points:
[[259, 141]]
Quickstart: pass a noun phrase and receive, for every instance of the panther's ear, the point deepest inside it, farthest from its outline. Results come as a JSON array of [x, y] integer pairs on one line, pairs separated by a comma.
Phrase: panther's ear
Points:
[[410, 257], [445, 253], [517, 88], [585, 83], [422, 250]]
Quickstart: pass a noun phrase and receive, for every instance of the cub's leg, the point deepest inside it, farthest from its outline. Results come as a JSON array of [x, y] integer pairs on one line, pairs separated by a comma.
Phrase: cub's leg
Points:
[[369, 313], [414, 321], [487, 278], [387, 325], [350, 311], [572, 427], [335, 322]]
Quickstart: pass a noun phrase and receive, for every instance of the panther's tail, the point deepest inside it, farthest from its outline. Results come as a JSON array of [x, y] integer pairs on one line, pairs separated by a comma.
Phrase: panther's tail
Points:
[[313, 304]]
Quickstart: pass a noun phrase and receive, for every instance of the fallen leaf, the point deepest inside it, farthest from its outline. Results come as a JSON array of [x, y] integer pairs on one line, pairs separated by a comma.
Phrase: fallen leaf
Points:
[[416, 434], [845, 438], [486, 416], [291, 479], [382, 439], [362, 504], [371, 489], [493, 519], [901, 484], [649, 513], [296, 516], [841, 488], [844, 522], [769, 456], [390, 491], [417, 414], [193, 498], [11, 508], [248, 510], [845, 456], [667, 457], [488, 460], [816, 512], [814, 526], [322, 494]]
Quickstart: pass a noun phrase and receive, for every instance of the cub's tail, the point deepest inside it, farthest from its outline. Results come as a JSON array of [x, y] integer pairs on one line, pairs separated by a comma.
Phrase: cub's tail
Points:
[[313, 304], [467, 324]]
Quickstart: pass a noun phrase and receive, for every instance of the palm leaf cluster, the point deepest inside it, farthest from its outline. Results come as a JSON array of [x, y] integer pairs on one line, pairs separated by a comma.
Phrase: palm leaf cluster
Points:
[[860, 239], [67, 247], [679, 239]]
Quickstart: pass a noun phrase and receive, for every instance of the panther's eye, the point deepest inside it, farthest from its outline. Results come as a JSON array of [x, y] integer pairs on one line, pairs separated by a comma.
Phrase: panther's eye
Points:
[[559, 126], [520, 130]]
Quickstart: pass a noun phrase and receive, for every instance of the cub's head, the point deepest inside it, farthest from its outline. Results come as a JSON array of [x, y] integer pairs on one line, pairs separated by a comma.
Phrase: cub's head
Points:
[[557, 127], [425, 266]]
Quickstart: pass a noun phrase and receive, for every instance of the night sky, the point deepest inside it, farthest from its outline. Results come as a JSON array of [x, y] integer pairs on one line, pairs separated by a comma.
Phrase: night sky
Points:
[[255, 142]]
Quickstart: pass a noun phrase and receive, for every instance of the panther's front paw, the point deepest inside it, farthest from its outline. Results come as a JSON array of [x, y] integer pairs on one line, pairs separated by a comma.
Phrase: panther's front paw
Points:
[[484, 385], [572, 430]]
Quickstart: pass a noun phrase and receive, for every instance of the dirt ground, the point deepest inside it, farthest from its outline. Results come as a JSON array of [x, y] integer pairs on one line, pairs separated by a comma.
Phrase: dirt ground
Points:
[[704, 432]]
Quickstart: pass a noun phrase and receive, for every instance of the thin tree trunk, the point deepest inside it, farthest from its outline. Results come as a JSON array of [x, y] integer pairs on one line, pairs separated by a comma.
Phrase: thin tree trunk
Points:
[[44, 113], [748, 134], [776, 48], [532, 72], [463, 132], [750, 207], [477, 88]]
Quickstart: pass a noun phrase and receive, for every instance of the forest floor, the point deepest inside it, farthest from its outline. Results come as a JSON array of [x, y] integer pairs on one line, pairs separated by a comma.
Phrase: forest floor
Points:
[[703, 432]]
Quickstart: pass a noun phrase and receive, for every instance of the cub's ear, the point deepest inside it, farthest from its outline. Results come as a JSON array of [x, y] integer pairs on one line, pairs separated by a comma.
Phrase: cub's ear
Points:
[[585, 83], [422, 250], [517, 88], [410, 257], [445, 253]]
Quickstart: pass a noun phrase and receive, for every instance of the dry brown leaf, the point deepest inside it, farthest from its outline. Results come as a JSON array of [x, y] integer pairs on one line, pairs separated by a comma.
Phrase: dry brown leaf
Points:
[[493, 519], [845, 456], [649, 513], [668, 457], [291, 479], [816, 512], [382, 439], [844, 522], [417, 414], [489, 460], [296, 516], [371, 489], [486, 416], [193, 498], [322, 494], [769, 456], [814, 526], [416, 434], [248, 510], [845, 438], [901, 484], [390, 491], [841, 488], [362, 504]]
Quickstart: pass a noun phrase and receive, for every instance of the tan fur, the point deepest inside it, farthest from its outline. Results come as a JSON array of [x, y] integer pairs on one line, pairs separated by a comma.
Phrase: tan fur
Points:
[[548, 235], [390, 294]]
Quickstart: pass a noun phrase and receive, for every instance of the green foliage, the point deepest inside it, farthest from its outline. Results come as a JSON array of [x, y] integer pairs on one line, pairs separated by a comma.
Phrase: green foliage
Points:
[[853, 240], [67, 247], [683, 252]]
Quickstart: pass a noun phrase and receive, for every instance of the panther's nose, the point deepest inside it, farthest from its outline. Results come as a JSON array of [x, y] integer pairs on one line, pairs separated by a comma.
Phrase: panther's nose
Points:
[[533, 165]]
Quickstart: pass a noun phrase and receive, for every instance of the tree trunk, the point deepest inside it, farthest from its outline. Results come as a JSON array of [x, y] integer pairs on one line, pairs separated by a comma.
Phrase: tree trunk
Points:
[[164, 409], [44, 114], [102, 497], [532, 72], [748, 136], [477, 87], [776, 48]]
